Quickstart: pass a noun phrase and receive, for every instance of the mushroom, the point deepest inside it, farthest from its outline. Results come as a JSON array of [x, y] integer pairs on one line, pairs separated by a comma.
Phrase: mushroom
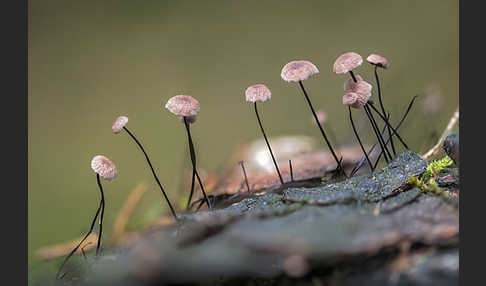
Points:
[[352, 99], [345, 63], [261, 93], [104, 168], [119, 125], [187, 108], [298, 71], [382, 62], [362, 89]]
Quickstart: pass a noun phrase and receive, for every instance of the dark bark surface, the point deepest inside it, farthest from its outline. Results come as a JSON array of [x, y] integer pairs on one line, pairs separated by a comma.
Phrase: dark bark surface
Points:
[[374, 229]]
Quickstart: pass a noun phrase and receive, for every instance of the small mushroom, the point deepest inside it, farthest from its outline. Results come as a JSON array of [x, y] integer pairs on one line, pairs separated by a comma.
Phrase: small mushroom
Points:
[[104, 168], [119, 125], [187, 108], [362, 89], [298, 71], [345, 63], [380, 61], [352, 99], [261, 93]]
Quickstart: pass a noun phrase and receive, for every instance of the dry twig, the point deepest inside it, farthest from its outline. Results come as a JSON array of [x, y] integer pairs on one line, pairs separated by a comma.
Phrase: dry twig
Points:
[[450, 125]]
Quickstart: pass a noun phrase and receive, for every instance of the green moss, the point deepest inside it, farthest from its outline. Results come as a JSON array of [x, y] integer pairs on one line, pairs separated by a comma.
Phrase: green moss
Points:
[[437, 166], [427, 182]]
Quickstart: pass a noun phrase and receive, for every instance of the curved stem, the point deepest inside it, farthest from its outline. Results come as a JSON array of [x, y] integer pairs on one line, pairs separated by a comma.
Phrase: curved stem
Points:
[[377, 136], [208, 202], [356, 168], [383, 109], [193, 160], [192, 189], [339, 167], [359, 140], [268, 144], [153, 172], [363, 159], [102, 213], [377, 132], [244, 173], [81, 242], [388, 123]]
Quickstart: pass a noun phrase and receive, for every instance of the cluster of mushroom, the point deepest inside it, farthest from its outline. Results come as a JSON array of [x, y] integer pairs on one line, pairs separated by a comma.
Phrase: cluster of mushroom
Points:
[[357, 95], [184, 106]]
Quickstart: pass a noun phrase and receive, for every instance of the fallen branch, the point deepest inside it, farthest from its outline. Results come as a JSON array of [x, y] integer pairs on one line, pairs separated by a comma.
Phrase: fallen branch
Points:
[[439, 143], [62, 249], [126, 211]]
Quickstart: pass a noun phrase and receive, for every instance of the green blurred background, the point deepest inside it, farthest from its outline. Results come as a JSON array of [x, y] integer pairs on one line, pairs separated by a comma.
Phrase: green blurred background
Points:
[[91, 61]]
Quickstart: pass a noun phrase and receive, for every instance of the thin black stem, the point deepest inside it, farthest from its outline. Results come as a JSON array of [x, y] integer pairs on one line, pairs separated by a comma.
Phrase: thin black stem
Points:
[[363, 159], [244, 173], [193, 160], [268, 144], [403, 118], [359, 140], [388, 123], [291, 171], [378, 135], [374, 127], [330, 132], [388, 140], [383, 109], [378, 132], [356, 168], [192, 189], [202, 202], [153, 172], [84, 254], [339, 167], [210, 206], [352, 75], [81, 242], [102, 213]]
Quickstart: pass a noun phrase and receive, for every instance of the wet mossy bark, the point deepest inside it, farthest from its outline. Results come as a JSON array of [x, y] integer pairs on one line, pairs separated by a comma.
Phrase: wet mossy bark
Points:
[[374, 229]]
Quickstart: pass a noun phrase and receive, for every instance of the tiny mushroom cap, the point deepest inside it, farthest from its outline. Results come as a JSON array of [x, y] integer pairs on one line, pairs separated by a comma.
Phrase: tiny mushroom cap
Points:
[[378, 60], [362, 89], [347, 62], [296, 71], [104, 167], [258, 92], [183, 105], [119, 123], [349, 83], [352, 99]]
